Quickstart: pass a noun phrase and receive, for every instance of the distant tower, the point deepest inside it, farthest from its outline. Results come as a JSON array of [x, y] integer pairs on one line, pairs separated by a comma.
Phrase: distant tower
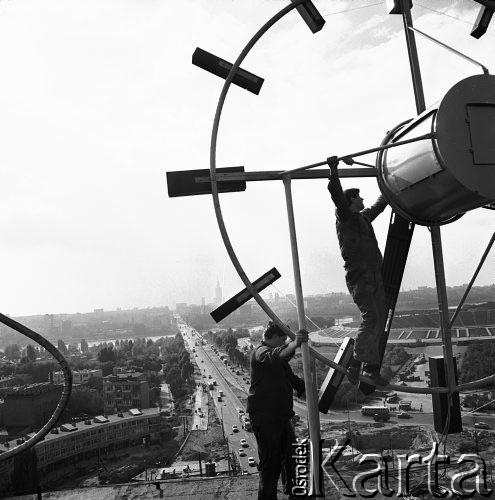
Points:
[[218, 294]]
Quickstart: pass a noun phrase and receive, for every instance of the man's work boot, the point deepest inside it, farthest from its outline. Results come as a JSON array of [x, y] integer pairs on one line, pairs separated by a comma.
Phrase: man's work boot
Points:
[[353, 371], [373, 372]]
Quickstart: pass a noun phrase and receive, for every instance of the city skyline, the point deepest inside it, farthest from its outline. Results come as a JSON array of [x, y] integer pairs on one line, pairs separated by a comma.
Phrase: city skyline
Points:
[[91, 125]]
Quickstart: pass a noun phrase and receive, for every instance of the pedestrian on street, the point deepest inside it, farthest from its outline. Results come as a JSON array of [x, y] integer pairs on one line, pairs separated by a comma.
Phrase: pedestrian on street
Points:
[[270, 407]]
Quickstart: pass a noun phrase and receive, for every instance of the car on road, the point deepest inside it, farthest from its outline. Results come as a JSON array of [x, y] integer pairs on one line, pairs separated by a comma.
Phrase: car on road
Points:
[[404, 414], [234, 428], [244, 443], [242, 453], [481, 425], [251, 461]]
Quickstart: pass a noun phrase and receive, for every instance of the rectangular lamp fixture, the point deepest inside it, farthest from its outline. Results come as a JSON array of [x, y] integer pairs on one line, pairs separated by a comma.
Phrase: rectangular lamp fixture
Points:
[[242, 297], [221, 68], [334, 378], [311, 16], [482, 21], [185, 183], [441, 412], [395, 6]]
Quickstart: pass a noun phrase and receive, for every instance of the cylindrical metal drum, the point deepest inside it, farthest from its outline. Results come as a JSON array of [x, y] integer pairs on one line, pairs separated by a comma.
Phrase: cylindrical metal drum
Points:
[[435, 181]]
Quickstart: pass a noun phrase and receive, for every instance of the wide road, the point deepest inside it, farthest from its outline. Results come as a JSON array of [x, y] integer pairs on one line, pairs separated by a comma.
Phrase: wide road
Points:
[[210, 365], [212, 368]]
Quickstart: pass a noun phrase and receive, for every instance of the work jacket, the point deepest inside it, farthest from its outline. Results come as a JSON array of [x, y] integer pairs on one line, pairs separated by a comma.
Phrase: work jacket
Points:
[[357, 239], [272, 383]]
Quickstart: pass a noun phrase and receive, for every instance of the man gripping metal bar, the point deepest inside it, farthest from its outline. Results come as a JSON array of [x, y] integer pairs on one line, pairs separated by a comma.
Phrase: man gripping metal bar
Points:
[[363, 266], [270, 407]]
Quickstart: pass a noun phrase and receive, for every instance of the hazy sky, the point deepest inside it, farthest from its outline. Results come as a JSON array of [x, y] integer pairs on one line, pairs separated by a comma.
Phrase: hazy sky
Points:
[[98, 99]]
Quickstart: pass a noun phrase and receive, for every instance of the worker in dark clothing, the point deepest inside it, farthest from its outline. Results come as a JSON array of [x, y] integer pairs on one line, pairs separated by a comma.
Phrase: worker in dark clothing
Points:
[[270, 407], [363, 266]]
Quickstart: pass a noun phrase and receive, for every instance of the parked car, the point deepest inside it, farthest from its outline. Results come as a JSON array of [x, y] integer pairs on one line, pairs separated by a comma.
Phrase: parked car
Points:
[[244, 443], [481, 425], [404, 414], [234, 428], [251, 461], [242, 453]]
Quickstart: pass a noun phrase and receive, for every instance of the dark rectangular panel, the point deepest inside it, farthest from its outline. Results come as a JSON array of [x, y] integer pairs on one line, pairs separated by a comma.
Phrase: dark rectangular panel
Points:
[[399, 237], [334, 378], [395, 6], [184, 183], [482, 21], [221, 68], [482, 130], [311, 16], [243, 296], [440, 401]]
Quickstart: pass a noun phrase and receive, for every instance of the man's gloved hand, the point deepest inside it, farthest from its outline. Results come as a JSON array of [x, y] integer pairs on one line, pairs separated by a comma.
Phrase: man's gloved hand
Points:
[[301, 336], [333, 163]]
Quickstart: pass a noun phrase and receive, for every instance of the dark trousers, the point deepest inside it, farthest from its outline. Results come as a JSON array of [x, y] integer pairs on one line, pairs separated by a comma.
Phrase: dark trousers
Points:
[[369, 295], [275, 440]]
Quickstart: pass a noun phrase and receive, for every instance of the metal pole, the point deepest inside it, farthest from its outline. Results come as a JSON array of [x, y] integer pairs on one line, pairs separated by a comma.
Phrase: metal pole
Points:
[[364, 152], [471, 283], [316, 485], [412, 52], [445, 46], [443, 309]]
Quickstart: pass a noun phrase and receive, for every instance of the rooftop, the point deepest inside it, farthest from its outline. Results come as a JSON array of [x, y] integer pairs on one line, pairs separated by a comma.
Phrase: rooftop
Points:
[[81, 426]]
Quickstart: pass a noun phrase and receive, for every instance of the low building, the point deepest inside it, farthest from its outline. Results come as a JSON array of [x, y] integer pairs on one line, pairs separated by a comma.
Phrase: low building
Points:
[[124, 391], [78, 377], [69, 446]]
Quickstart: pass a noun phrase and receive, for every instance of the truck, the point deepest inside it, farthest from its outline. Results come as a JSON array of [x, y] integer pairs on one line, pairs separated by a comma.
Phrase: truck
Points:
[[220, 393], [405, 405]]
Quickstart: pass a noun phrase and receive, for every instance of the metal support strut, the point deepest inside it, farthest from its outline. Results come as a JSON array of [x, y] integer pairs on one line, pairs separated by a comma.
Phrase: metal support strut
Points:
[[443, 309], [310, 387]]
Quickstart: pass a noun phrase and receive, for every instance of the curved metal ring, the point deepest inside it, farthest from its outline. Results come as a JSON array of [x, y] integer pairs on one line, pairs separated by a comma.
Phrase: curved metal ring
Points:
[[64, 398], [221, 222]]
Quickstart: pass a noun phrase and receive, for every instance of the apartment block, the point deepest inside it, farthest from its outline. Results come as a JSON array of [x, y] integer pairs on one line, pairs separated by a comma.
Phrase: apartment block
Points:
[[124, 391]]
